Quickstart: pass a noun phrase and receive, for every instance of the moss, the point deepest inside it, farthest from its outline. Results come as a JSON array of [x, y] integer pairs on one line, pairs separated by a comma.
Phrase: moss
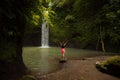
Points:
[[110, 66], [28, 77]]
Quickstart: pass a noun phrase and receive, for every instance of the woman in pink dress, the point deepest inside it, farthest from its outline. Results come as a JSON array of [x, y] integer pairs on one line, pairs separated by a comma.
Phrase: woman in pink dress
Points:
[[63, 45]]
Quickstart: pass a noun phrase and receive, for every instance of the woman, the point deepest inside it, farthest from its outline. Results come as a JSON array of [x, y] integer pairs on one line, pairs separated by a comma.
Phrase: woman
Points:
[[63, 45]]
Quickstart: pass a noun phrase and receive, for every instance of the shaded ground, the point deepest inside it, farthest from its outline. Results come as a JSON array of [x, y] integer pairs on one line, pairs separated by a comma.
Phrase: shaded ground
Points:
[[79, 70]]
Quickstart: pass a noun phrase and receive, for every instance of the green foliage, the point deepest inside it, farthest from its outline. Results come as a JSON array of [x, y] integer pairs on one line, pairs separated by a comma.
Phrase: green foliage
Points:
[[63, 22], [61, 3], [7, 52], [28, 77], [91, 16], [80, 20], [47, 12], [18, 14], [112, 15], [110, 66], [63, 29], [15, 18]]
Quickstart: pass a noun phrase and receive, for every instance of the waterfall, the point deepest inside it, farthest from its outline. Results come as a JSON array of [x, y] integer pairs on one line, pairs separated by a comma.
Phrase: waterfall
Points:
[[45, 34]]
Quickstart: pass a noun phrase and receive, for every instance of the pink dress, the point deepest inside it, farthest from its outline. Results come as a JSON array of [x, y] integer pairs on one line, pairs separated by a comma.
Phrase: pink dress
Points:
[[62, 50]]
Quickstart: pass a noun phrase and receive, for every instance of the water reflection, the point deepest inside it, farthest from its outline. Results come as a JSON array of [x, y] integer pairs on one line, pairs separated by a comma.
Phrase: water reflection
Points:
[[45, 65], [41, 59]]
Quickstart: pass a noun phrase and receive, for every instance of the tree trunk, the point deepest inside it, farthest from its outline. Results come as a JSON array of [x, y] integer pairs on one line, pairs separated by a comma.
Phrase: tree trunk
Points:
[[98, 43], [102, 41], [19, 59], [12, 67], [11, 63]]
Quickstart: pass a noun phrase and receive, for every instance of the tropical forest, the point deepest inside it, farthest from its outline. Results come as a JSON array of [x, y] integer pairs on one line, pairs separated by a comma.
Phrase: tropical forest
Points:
[[60, 40]]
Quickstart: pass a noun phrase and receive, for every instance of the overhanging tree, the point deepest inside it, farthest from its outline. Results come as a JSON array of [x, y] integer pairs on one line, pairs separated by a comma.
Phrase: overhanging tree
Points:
[[15, 16]]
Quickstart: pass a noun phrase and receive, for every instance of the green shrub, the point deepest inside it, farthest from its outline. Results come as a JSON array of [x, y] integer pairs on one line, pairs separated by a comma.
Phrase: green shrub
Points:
[[110, 66], [28, 77]]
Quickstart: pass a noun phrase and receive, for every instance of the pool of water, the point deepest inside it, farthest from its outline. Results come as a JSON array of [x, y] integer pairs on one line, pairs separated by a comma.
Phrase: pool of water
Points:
[[46, 60]]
